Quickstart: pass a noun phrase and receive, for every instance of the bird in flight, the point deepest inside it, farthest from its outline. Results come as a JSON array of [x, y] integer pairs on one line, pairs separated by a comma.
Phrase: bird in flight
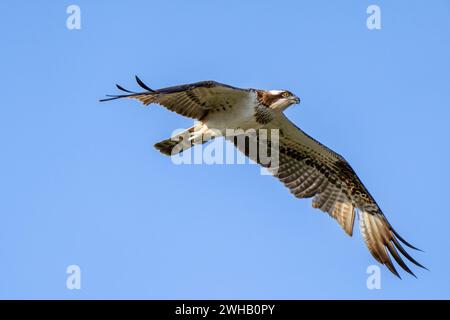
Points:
[[306, 167]]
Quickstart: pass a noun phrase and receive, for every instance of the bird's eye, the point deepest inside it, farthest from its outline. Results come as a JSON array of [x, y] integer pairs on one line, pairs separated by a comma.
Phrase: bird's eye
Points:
[[285, 94]]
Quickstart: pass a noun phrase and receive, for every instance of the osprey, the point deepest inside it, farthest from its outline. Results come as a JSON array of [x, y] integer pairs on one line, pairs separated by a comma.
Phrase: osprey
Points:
[[306, 167]]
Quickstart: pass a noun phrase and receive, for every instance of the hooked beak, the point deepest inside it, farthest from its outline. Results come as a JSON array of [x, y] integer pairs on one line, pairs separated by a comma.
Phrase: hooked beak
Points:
[[295, 100]]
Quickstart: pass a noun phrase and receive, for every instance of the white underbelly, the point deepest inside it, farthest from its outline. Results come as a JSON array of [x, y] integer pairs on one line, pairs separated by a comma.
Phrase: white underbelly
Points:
[[236, 118]]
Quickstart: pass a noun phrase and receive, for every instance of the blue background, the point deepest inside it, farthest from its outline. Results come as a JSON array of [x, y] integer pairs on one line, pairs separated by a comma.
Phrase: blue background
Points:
[[80, 182]]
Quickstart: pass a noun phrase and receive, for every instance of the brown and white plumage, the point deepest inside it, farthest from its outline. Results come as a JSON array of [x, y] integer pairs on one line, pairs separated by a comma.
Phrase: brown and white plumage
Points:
[[191, 100], [306, 167]]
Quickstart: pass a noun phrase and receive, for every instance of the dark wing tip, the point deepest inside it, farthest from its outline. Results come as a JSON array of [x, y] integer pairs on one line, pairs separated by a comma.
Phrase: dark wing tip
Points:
[[112, 97], [392, 269], [406, 254], [143, 85], [404, 241], [131, 93], [387, 237], [123, 89], [398, 259], [108, 99]]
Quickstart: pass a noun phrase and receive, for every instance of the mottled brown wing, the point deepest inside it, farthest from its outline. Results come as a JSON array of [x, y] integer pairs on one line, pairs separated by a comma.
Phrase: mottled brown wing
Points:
[[311, 170], [193, 100]]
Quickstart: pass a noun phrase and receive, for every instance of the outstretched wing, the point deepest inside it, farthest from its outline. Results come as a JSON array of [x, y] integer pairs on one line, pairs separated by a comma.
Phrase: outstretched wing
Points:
[[311, 170], [193, 100]]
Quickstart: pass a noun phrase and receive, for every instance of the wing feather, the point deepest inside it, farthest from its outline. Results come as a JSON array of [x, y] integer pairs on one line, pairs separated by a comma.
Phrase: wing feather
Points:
[[311, 170], [193, 100]]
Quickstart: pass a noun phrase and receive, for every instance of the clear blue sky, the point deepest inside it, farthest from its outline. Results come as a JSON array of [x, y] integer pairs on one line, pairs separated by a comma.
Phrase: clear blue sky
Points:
[[81, 183]]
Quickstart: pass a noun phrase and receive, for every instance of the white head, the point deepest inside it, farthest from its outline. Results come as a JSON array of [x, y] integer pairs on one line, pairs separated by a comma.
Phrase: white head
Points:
[[278, 99]]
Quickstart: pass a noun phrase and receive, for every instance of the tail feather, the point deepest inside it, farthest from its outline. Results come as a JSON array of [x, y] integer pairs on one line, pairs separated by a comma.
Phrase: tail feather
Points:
[[169, 147], [176, 144], [197, 134]]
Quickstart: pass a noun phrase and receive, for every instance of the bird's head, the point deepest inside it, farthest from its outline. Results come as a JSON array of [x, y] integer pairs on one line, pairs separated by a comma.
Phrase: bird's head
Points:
[[280, 99]]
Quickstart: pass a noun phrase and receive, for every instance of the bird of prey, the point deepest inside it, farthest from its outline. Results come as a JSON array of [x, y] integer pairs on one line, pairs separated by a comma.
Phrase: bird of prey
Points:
[[306, 167]]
